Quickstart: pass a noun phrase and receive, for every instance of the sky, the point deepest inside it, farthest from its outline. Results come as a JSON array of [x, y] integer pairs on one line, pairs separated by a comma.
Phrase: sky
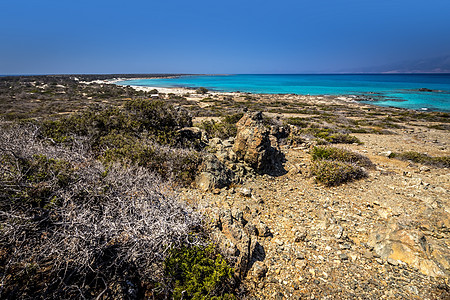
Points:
[[218, 37]]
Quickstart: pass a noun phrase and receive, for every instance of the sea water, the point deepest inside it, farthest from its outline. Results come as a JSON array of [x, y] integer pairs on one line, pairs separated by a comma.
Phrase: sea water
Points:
[[398, 90]]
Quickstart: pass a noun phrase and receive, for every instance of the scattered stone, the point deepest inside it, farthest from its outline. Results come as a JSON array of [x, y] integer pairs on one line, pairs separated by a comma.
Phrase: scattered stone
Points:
[[300, 236], [339, 233], [424, 169], [262, 229], [246, 192], [250, 229], [392, 262], [385, 153], [259, 270], [300, 256], [278, 242], [343, 256]]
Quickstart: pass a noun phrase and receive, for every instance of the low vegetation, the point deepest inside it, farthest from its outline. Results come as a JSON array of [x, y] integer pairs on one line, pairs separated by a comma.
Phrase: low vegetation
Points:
[[417, 157], [198, 273], [326, 135], [224, 129], [334, 166], [340, 154], [201, 90], [331, 173], [87, 208], [143, 132]]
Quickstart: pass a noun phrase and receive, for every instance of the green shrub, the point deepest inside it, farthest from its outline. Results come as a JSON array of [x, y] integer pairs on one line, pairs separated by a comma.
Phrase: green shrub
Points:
[[339, 138], [224, 129], [179, 164], [417, 157], [300, 122], [144, 132], [342, 155], [160, 119], [331, 136], [157, 115], [332, 173], [198, 273], [440, 126], [93, 122], [233, 119], [295, 139], [201, 90]]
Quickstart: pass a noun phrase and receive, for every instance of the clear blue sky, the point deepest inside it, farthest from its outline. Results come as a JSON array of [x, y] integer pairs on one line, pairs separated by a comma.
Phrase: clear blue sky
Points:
[[199, 36]]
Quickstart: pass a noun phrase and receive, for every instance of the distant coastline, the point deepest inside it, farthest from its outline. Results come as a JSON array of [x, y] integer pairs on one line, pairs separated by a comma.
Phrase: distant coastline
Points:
[[410, 91]]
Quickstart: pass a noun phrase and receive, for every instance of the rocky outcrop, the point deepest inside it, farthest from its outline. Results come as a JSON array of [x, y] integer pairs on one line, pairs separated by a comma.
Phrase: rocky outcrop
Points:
[[255, 146], [237, 238], [403, 244], [214, 175]]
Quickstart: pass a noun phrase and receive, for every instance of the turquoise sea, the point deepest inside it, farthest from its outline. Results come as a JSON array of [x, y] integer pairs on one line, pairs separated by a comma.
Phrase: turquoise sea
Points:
[[399, 90]]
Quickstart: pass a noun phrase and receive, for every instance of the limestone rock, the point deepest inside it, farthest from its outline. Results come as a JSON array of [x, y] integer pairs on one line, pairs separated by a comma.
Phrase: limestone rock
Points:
[[214, 175], [409, 245], [236, 238], [255, 146], [262, 229], [246, 192], [259, 270], [385, 153]]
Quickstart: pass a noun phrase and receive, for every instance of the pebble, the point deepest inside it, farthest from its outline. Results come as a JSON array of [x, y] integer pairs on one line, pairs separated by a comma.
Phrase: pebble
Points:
[[338, 235], [278, 242], [343, 256], [392, 262], [300, 256], [246, 192]]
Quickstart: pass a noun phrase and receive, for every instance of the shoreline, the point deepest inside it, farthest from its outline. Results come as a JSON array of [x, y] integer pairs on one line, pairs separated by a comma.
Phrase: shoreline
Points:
[[181, 91], [385, 95]]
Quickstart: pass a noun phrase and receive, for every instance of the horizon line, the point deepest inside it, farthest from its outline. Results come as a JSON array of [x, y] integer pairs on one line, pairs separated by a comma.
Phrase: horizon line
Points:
[[228, 74]]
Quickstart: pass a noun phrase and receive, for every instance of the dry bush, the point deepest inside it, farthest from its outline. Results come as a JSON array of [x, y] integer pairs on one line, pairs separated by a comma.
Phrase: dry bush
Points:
[[105, 234], [422, 158], [332, 173], [342, 155], [334, 166]]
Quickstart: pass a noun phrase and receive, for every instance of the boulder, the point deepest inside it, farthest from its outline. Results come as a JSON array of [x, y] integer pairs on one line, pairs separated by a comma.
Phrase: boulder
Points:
[[214, 175], [399, 243], [237, 239], [255, 145]]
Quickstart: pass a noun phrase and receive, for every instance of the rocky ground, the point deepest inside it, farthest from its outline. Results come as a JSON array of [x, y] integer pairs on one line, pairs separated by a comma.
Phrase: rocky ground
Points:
[[383, 237]]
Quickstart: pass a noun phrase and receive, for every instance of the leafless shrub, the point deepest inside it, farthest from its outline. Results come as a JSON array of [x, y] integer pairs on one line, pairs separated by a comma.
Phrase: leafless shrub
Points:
[[107, 237]]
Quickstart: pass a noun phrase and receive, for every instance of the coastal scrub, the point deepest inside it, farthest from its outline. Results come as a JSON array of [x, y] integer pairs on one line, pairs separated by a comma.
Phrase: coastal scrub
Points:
[[334, 166]]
